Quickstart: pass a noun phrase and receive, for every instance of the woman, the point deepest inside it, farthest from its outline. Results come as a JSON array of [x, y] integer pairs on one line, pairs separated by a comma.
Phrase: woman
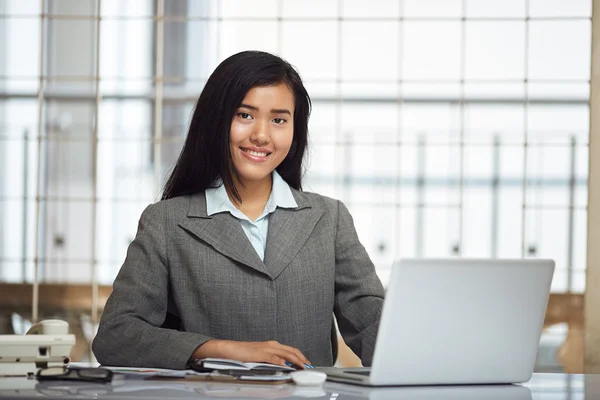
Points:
[[236, 261]]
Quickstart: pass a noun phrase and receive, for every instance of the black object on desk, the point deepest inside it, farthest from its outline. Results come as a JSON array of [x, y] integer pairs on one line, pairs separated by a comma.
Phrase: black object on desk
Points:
[[99, 375]]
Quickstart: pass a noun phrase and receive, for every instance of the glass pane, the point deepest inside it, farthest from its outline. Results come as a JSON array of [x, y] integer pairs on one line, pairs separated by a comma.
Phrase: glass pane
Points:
[[72, 7], [407, 221], [431, 50], [369, 123], [129, 119], [304, 42], [376, 232], [581, 175], [441, 171], [21, 47], [548, 172], [383, 93], [511, 165], [19, 118], [363, 9], [73, 48], [558, 123], [126, 49], [559, 49], [67, 239], [238, 36], [440, 233], [560, 8], [169, 153], [580, 227], [373, 56], [17, 235], [310, 8], [12, 236], [323, 122], [176, 119], [21, 7], [438, 122], [117, 226], [192, 8], [477, 221], [546, 234], [191, 52], [132, 9], [510, 220], [481, 165], [483, 123], [69, 169], [433, 8], [249, 9], [127, 172], [320, 91], [559, 281], [495, 50], [69, 119], [374, 163], [14, 169], [495, 9], [578, 282], [324, 168]]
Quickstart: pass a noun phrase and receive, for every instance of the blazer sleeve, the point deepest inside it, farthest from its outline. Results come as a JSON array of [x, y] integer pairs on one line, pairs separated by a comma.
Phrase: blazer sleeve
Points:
[[130, 332], [359, 293]]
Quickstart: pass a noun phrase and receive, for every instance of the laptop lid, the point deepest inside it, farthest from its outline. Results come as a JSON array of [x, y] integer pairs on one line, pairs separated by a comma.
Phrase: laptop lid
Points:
[[460, 321]]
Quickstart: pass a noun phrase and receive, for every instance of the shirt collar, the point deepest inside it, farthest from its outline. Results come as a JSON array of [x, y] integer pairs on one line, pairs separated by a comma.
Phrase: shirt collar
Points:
[[217, 200]]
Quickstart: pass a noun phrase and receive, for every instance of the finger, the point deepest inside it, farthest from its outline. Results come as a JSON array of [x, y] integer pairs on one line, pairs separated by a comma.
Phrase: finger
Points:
[[273, 359], [290, 356], [297, 353]]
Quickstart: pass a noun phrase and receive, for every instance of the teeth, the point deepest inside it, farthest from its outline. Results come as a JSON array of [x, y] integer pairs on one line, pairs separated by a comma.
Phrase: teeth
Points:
[[255, 153]]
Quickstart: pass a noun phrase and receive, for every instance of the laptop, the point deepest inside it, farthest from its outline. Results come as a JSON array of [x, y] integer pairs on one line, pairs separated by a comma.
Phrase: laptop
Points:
[[457, 321]]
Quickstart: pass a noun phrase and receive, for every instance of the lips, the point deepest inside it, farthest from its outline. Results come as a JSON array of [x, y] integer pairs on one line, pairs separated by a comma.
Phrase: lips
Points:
[[255, 153]]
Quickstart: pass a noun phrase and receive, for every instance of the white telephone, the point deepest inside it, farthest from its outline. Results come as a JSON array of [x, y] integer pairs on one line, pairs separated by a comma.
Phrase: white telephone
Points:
[[46, 344]]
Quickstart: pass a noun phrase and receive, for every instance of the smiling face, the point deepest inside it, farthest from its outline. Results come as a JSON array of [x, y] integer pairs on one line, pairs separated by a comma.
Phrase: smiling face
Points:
[[261, 132]]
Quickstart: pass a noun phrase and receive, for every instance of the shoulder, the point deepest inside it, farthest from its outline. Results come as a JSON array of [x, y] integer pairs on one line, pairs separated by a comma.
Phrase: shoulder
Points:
[[176, 207], [315, 200], [330, 206]]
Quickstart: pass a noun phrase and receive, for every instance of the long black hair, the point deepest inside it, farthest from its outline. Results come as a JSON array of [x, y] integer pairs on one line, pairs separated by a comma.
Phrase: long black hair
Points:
[[205, 158]]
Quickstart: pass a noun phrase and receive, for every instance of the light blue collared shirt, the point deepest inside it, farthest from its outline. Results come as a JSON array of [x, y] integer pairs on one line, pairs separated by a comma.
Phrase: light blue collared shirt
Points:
[[217, 201]]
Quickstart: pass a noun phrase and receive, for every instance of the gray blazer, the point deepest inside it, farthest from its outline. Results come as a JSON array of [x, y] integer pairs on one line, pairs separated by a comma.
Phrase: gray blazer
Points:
[[189, 278]]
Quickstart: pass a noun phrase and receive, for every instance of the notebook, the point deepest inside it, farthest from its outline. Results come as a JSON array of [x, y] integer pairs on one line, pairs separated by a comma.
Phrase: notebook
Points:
[[458, 321], [218, 364]]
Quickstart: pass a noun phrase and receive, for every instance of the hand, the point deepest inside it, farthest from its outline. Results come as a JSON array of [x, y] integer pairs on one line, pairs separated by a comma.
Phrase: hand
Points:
[[272, 352]]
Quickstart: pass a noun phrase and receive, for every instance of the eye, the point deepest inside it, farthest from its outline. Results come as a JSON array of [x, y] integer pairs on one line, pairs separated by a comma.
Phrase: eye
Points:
[[279, 121], [244, 115]]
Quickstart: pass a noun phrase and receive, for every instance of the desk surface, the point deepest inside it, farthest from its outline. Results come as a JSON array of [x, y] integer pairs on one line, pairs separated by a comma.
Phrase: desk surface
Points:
[[541, 386]]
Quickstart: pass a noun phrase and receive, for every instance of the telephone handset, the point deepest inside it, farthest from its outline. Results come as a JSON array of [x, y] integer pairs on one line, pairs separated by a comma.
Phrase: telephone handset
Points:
[[46, 344], [49, 327]]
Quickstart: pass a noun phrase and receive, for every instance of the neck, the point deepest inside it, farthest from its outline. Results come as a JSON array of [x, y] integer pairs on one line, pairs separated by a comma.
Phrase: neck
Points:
[[254, 192]]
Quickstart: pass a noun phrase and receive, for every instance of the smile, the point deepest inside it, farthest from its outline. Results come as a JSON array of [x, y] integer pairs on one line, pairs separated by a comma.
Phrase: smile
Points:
[[255, 153]]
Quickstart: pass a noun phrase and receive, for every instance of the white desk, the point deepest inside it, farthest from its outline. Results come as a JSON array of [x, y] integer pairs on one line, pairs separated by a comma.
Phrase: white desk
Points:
[[541, 386]]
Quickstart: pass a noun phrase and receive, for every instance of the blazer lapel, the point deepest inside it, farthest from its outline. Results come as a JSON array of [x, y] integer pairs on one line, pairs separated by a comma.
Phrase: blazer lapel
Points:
[[223, 232], [289, 229]]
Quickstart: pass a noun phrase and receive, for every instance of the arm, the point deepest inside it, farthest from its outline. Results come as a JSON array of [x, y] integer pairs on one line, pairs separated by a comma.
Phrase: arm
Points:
[[358, 291], [130, 332]]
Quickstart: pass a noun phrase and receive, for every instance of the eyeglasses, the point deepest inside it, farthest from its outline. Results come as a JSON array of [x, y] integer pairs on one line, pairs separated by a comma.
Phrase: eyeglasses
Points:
[[78, 374]]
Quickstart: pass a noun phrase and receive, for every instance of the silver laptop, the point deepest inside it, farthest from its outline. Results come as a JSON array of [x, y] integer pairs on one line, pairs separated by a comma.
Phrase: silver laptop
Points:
[[458, 321]]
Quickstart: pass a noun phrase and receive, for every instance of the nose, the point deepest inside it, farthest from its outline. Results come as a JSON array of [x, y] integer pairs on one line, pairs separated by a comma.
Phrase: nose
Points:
[[260, 134]]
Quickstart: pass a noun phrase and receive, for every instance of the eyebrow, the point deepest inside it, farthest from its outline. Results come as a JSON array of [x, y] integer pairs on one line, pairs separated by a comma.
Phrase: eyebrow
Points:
[[273, 111]]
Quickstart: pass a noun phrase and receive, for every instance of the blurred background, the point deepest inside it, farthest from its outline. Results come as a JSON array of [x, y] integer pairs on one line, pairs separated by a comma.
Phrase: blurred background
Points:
[[450, 128]]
